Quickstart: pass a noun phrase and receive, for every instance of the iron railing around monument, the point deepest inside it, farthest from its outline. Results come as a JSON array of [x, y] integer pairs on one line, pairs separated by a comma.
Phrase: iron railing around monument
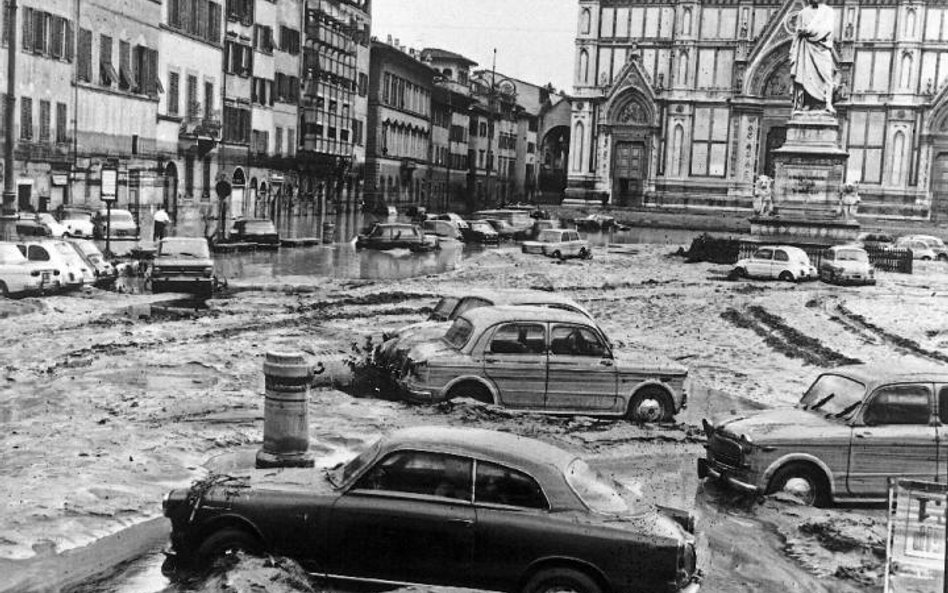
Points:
[[888, 259]]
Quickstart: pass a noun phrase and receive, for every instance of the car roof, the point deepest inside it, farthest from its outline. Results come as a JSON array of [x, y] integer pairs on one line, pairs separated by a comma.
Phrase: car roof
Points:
[[892, 372], [490, 445], [847, 246], [483, 316]]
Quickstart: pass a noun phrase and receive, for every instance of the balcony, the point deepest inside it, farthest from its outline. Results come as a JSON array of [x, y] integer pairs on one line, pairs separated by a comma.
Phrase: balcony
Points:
[[200, 125]]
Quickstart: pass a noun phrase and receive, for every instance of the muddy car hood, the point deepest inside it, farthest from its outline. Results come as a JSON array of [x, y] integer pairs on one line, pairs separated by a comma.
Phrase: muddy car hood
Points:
[[641, 362], [651, 525], [424, 330], [429, 349], [777, 425], [184, 262]]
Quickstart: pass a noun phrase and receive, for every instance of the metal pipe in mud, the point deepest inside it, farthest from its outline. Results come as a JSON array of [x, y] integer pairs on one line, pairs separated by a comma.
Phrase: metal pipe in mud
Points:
[[287, 377]]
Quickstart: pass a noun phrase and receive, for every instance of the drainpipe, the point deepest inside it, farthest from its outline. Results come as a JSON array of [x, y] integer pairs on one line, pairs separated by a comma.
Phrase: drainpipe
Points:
[[8, 213]]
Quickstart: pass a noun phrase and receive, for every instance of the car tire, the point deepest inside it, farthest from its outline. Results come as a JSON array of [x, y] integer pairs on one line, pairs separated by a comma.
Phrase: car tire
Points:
[[804, 481], [737, 274], [4, 291], [472, 390], [557, 255], [225, 543], [926, 258], [786, 276], [583, 253], [649, 404], [561, 580]]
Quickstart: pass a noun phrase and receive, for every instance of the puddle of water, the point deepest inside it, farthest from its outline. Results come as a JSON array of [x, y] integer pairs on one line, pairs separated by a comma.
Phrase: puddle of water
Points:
[[655, 235]]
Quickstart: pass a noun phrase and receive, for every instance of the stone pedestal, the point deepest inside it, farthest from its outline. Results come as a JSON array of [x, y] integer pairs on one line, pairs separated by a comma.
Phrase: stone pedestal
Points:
[[810, 171]]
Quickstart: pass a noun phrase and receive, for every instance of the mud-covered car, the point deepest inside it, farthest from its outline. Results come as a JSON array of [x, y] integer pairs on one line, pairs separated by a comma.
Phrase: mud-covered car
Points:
[[456, 507], [854, 428], [558, 244], [480, 231], [781, 262], [395, 236], [18, 275], [260, 232], [397, 344], [541, 359], [846, 264], [78, 221], [183, 264]]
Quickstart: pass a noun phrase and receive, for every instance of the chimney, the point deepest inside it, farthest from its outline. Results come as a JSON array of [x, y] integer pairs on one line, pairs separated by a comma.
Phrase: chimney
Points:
[[389, 40]]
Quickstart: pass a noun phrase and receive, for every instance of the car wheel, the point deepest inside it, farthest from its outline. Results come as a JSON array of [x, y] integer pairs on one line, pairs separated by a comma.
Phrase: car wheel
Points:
[[4, 291], [583, 253], [226, 543], [472, 390], [561, 580], [926, 258], [786, 276], [803, 481], [557, 255], [737, 273], [649, 405]]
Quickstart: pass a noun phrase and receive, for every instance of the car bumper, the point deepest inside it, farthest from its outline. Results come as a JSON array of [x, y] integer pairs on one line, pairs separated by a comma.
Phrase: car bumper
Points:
[[182, 284], [709, 469]]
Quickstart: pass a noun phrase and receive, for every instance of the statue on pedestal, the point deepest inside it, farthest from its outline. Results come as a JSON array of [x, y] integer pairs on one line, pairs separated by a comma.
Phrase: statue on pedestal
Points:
[[849, 201], [812, 60], [764, 196]]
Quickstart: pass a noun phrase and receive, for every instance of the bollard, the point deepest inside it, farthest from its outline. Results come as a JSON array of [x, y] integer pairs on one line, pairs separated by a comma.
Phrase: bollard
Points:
[[329, 232], [286, 411]]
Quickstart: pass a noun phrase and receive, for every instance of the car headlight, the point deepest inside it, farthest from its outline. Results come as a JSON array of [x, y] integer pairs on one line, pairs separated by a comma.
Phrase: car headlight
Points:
[[208, 272]]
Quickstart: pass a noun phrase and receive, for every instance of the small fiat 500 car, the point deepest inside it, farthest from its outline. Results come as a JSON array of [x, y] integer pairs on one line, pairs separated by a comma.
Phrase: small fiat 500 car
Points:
[[937, 246], [541, 359], [19, 275], [846, 264], [783, 262], [397, 345], [558, 244], [921, 250], [853, 429], [78, 221], [443, 506], [59, 256], [183, 264]]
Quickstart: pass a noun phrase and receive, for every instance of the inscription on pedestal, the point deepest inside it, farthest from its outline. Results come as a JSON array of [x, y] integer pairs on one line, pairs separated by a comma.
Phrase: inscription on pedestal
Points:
[[806, 184]]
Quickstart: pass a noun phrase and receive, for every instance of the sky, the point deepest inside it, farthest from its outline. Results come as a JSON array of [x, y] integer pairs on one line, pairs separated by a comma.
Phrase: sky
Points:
[[535, 39]]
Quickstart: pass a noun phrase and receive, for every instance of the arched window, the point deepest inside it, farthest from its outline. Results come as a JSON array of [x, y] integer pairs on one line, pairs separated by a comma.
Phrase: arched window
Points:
[[579, 133], [585, 22], [583, 74], [678, 140], [447, 73], [906, 78], [898, 158], [682, 78], [686, 22], [910, 23]]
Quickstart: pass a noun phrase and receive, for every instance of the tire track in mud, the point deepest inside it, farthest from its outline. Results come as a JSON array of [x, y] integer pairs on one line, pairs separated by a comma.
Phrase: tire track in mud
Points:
[[857, 323], [785, 339], [303, 315]]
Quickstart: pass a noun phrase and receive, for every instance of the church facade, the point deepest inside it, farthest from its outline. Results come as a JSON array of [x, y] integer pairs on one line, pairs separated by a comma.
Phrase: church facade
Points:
[[681, 104]]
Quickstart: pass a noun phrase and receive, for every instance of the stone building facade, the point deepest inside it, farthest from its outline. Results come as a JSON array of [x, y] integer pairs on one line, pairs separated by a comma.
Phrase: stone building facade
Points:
[[681, 104]]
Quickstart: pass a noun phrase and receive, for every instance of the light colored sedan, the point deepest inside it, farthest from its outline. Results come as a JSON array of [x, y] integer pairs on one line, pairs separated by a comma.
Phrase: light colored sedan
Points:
[[78, 222], [55, 228], [846, 264], [19, 275], [541, 359], [559, 244], [781, 262]]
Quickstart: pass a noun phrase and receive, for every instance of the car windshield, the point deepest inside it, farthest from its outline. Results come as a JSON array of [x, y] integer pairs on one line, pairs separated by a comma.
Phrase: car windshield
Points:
[[852, 255], [549, 236], [598, 493], [184, 248], [342, 473], [119, 216], [76, 215], [459, 333], [444, 308], [9, 254], [259, 226], [834, 395], [482, 227]]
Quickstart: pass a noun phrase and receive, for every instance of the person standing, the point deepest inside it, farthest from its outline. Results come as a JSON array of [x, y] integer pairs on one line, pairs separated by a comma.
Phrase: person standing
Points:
[[161, 220]]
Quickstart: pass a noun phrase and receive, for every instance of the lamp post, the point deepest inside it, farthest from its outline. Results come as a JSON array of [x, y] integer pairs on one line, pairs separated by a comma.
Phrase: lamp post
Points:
[[502, 87], [8, 211]]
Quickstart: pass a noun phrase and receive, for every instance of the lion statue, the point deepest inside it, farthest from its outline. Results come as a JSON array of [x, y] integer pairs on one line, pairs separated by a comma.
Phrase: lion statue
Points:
[[764, 196], [848, 201]]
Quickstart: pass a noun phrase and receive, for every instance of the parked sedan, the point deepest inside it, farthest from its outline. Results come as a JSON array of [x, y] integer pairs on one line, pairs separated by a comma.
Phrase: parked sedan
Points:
[[541, 359], [458, 221], [19, 275], [456, 507], [926, 246], [183, 264], [259, 231], [395, 236], [105, 272], [78, 222], [783, 262], [854, 428], [442, 228], [558, 244], [846, 264], [120, 223], [480, 231], [69, 275], [397, 345]]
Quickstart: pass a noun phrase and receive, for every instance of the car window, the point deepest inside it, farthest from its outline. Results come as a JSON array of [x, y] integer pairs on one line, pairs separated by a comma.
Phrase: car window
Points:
[[764, 254], [519, 338], [834, 395], [548, 236], [459, 333], [900, 404], [496, 484], [595, 492], [781, 255], [37, 253], [943, 405], [420, 472], [572, 340]]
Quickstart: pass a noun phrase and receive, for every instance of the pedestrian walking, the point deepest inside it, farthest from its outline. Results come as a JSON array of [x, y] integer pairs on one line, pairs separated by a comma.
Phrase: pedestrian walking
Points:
[[162, 220]]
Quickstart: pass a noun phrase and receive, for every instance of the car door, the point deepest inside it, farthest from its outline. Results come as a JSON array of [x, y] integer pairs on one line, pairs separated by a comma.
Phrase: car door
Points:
[[582, 374], [409, 518], [512, 525], [574, 242], [781, 263], [760, 263], [895, 436], [516, 361]]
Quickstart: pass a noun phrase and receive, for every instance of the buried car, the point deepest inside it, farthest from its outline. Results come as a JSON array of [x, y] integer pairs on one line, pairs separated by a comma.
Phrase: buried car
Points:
[[558, 244], [183, 264], [846, 264], [461, 507], [854, 428], [541, 359], [395, 236], [480, 231], [783, 262]]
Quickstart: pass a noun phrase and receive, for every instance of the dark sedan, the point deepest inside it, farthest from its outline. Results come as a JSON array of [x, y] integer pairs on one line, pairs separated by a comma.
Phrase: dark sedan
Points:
[[480, 231], [258, 231], [183, 264], [444, 506], [395, 236]]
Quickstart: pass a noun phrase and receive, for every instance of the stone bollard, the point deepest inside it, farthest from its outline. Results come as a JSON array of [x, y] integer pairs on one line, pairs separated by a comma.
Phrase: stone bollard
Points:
[[286, 411]]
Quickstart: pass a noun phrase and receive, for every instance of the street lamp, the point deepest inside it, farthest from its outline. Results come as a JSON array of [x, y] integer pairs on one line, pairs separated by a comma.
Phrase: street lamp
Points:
[[8, 211], [502, 88]]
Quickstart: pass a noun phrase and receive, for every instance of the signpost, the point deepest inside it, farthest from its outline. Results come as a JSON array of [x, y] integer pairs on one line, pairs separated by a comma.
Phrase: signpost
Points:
[[915, 555], [109, 183]]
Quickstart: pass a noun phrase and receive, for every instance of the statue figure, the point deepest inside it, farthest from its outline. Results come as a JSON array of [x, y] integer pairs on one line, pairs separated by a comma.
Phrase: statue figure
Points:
[[764, 196], [812, 61], [848, 201]]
